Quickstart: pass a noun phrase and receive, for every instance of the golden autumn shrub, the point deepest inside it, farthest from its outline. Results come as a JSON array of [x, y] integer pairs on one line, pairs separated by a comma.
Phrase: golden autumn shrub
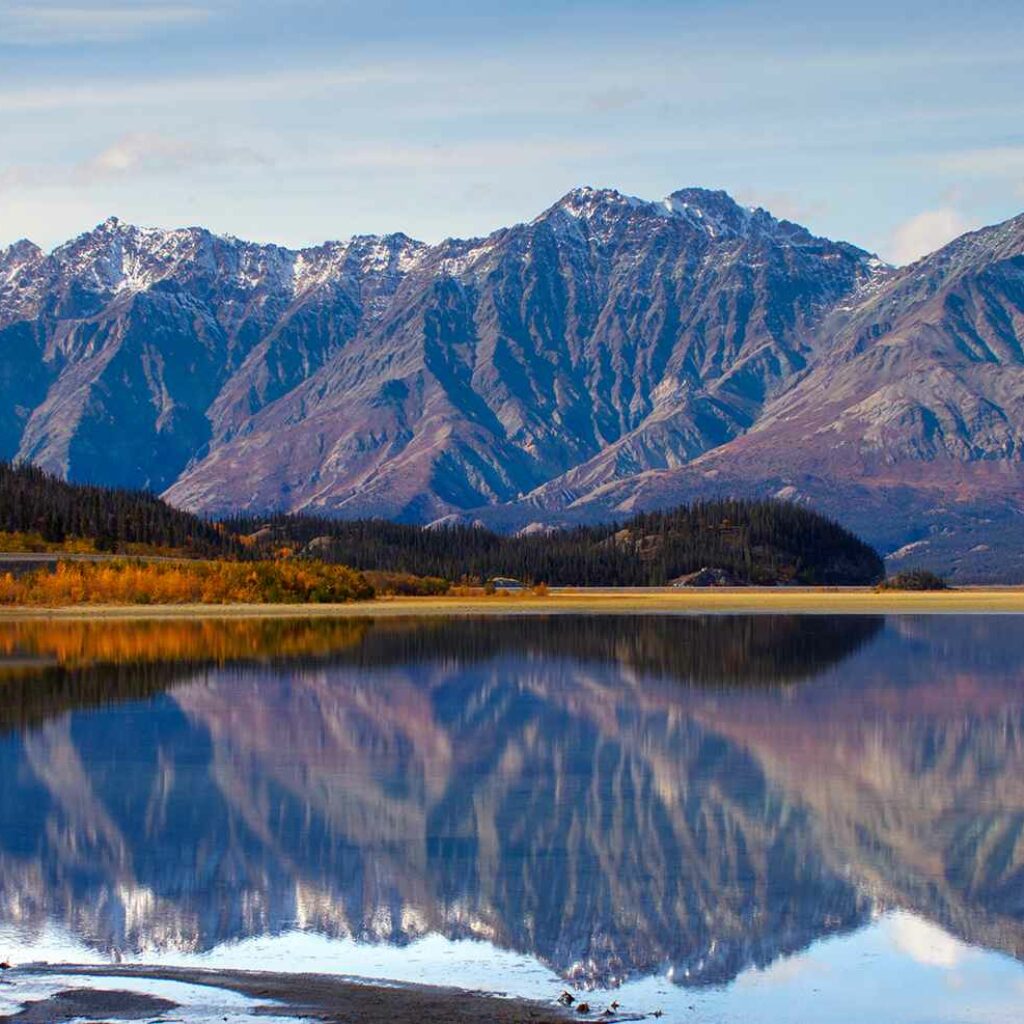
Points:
[[126, 581], [79, 643]]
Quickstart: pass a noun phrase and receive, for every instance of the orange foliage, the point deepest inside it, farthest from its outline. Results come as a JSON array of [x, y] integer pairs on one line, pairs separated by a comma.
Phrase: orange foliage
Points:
[[123, 581]]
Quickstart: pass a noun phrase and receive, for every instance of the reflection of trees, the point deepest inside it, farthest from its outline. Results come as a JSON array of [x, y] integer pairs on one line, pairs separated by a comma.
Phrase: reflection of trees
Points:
[[47, 668], [703, 650], [547, 784], [76, 643], [31, 697]]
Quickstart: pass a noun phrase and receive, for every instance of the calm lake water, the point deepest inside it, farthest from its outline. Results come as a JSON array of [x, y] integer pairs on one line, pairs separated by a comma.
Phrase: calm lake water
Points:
[[729, 818]]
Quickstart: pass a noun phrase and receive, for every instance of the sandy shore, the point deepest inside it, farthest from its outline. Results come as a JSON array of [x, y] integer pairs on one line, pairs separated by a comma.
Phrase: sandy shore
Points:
[[319, 997], [608, 601]]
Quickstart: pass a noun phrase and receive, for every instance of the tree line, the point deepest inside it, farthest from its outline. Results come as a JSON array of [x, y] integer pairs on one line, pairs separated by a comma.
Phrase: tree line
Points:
[[754, 541], [33, 502]]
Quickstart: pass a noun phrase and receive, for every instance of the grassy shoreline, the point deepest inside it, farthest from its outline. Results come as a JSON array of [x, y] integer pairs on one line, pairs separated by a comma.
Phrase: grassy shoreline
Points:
[[594, 601]]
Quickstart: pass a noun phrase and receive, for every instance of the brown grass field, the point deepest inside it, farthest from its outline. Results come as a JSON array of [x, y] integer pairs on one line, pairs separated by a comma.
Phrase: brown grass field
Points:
[[590, 601]]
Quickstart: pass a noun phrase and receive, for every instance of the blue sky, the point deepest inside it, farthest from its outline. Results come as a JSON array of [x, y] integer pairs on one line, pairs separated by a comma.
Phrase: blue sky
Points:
[[893, 125]]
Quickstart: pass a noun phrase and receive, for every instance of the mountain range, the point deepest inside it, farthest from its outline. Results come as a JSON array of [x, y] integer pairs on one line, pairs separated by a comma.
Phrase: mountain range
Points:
[[611, 355]]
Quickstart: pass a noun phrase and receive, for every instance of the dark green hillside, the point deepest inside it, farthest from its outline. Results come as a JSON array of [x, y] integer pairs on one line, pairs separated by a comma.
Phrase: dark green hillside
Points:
[[761, 542], [34, 502]]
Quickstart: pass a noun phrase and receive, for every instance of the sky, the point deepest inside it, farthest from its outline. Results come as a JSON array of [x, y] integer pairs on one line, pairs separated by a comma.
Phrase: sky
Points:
[[895, 125]]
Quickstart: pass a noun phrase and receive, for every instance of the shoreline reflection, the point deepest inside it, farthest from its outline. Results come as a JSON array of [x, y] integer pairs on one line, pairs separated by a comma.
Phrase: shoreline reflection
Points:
[[615, 798]]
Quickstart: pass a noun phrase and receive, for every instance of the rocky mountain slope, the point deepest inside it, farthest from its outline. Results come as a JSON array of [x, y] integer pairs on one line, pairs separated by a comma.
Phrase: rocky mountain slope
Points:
[[612, 354], [909, 427], [127, 352]]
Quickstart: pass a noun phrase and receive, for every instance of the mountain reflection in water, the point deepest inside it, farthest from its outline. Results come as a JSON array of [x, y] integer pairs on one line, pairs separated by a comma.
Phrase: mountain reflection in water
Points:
[[614, 796]]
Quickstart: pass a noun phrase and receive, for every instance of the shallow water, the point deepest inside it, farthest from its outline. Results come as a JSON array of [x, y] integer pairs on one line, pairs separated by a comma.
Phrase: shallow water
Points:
[[771, 818]]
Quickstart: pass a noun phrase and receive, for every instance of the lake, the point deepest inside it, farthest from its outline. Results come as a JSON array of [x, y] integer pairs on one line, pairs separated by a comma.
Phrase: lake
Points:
[[727, 818]]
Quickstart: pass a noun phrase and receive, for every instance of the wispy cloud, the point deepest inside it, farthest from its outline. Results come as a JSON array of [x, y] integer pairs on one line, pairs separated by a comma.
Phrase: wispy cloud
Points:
[[438, 119], [146, 153], [926, 232], [471, 155], [40, 24], [173, 92], [140, 154], [1003, 164], [135, 154], [994, 161], [615, 98]]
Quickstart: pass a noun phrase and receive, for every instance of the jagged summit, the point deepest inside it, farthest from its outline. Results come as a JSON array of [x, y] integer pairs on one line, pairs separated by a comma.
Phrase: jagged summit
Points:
[[708, 202], [147, 236], [586, 198], [17, 256], [20, 249], [711, 212], [721, 216], [715, 211]]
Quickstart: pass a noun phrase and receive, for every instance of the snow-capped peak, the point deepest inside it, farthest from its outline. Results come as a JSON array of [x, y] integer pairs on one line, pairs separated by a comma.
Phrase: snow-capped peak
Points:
[[712, 212], [116, 256], [586, 199], [390, 255], [716, 211], [20, 252]]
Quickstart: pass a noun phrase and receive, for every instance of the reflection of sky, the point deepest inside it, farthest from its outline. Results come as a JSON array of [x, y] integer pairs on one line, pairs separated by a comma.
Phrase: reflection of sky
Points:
[[900, 969], [887, 124], [197, 1004]]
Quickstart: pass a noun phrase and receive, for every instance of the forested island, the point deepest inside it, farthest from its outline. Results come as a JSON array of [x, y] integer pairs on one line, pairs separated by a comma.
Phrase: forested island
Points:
[[297, 557]]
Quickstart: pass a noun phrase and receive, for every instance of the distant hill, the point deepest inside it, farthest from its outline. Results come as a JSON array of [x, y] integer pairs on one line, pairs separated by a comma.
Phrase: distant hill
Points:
[[760, 542]]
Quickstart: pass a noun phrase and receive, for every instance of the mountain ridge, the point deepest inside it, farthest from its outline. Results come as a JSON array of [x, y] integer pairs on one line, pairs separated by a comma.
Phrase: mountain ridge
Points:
[[614, 354]]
